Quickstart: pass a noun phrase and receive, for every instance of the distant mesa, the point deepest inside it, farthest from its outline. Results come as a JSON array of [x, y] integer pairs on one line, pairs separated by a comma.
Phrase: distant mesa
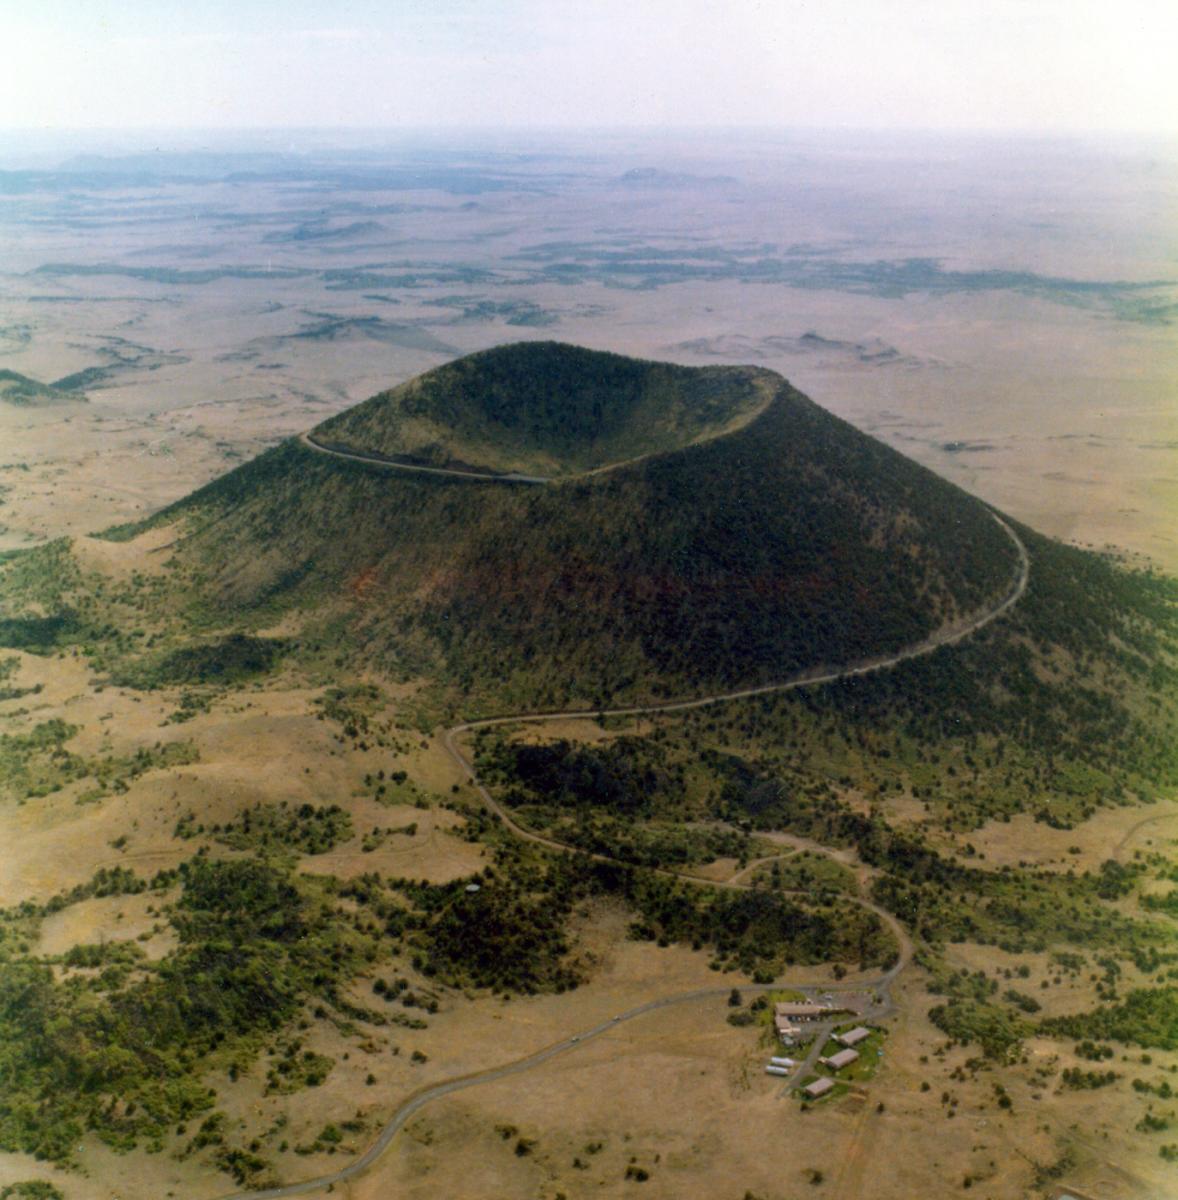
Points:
[[872, 352], [330, 328], [23, 392], [694, 528], [653, 177], [323, 231]]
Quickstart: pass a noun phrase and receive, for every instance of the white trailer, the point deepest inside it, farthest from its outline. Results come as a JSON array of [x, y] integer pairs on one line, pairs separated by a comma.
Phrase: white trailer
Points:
[[772, 1070], [782, 1061]]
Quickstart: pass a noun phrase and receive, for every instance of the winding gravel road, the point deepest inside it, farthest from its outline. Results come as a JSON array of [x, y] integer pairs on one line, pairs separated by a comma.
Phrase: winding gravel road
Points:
[[1119, 849], [817, 675], [382, 460]]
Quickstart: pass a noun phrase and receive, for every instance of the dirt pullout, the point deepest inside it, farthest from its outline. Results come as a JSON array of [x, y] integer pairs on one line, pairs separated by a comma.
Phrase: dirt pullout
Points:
[[251, 747], [411, 844], [135, 919], [1109, 833], [147, 554]]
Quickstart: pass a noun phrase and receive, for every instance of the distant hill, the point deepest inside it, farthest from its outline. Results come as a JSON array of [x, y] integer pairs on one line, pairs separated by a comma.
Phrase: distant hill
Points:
[[789, 541], [322, 231], [654, 177], [29, 393]]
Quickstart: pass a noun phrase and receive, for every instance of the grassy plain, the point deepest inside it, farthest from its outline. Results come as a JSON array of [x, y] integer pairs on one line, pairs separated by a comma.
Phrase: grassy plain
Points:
[[264, 744]]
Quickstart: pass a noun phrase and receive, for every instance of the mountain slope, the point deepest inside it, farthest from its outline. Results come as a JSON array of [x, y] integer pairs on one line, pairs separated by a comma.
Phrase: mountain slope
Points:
[[792, 541]]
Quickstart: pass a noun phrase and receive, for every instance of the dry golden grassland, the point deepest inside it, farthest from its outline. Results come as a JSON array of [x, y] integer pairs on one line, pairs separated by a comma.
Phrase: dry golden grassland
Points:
[[679, 1094]]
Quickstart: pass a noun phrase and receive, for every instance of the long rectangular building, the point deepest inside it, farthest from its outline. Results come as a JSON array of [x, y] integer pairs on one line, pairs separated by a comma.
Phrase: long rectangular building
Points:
[[806, 1010], [843, 1058], [818, 1088], [853, 1036], [790, 1017]]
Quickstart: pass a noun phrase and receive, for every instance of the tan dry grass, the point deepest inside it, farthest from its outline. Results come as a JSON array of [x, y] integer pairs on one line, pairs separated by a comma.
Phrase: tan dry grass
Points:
[[1025, 840], [112, 919]]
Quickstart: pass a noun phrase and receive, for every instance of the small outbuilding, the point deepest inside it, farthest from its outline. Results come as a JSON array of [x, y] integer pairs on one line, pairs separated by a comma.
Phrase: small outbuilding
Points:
[[843, 1058], [818, 1088], [853, 1036]]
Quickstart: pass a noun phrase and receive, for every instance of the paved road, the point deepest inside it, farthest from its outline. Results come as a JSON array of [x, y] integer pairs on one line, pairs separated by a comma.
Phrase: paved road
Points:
[[382, 460], [418, 1100]]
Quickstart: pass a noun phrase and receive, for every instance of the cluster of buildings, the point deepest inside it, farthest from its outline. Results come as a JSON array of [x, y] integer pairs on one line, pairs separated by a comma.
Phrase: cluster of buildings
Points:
[[795, 1021], [837, 1061]]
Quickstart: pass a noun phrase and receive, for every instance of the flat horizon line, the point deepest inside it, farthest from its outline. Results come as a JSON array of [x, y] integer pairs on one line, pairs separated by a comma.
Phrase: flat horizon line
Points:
[[987, 131]]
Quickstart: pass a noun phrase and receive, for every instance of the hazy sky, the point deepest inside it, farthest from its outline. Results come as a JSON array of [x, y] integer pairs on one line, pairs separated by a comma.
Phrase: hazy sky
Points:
[[1006, 64]]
